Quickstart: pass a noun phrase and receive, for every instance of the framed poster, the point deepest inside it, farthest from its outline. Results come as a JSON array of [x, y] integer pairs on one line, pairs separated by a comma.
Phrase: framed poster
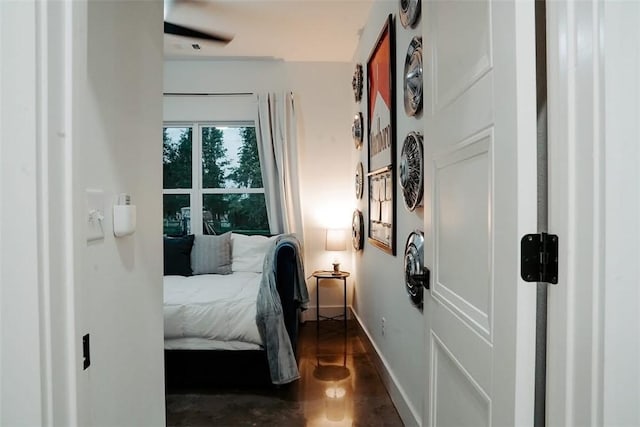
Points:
[[381, 210], [381, 123]]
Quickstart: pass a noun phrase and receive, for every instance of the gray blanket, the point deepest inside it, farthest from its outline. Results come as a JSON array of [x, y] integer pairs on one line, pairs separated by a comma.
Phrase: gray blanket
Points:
[[282, 361]]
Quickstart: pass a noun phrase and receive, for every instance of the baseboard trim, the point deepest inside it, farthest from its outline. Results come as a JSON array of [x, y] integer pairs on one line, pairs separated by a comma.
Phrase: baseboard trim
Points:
[[409, 415]]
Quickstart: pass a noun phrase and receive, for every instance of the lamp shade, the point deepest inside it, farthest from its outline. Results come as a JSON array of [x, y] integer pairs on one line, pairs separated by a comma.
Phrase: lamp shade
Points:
[[336, 240]]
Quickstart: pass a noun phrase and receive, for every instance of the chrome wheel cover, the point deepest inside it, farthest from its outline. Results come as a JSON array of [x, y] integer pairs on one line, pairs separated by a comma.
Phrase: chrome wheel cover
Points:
[[413, 78], [409, 12], [411, 171], [413, 267], [359, 180], [357, 230], [356, 82], [356, 130]]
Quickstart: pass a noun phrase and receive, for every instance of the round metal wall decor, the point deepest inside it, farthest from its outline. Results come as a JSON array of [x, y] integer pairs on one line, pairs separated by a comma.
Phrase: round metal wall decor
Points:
[[359, 180], [409, 12], [357, 230], [412, 171], [356, 130], [413, 267], [413, 77], [356, 83]]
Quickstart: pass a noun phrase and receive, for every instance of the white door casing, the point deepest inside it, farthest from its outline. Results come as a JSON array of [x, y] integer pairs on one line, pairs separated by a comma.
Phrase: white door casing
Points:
[[480, 170], [594, 200], [36, 86]]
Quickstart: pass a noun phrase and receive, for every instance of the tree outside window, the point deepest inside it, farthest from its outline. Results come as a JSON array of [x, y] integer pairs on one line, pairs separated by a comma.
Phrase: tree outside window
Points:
[[226, 185]]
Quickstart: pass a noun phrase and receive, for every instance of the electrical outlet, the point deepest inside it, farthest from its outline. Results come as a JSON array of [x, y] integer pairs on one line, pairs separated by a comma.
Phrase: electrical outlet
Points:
[[382, 324]]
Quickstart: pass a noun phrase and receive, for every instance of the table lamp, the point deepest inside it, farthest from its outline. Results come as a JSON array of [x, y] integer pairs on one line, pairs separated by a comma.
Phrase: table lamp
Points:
[[336, 241]]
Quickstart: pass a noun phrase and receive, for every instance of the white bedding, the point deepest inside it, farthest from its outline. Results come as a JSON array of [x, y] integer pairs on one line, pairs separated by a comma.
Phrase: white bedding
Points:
[[211, 308], [205, 344]]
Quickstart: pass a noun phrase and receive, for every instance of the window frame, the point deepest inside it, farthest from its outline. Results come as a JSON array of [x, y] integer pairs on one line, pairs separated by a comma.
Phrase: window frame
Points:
[[196, 192]]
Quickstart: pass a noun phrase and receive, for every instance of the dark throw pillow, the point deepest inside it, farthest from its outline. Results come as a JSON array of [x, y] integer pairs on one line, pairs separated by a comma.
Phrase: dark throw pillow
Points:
[[177, 255]]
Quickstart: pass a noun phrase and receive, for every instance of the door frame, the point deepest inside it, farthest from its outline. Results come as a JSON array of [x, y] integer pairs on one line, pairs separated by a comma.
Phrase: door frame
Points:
[[575, 189], [588, 156], [39, 356]]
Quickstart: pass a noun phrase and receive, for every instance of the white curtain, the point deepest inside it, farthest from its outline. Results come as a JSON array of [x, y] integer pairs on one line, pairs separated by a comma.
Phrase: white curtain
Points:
[[278, 151]]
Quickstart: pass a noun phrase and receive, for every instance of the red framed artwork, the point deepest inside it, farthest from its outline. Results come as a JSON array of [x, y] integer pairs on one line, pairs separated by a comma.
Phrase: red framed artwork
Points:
[[381, 117]]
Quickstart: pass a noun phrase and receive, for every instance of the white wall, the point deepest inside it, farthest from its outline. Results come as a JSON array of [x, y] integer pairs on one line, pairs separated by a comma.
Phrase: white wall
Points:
[[232, 76], [379, 290], [323, 110], [324, 95], [116, 134]]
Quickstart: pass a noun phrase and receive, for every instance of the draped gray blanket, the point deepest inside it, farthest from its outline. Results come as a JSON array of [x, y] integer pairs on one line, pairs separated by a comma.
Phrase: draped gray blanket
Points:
[[282, 361]]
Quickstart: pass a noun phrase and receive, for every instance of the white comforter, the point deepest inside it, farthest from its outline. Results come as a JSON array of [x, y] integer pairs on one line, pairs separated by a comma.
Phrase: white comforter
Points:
[[213, 307]]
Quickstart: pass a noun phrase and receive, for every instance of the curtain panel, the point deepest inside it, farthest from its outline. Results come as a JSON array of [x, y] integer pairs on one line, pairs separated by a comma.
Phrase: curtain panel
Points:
[[278, 151]]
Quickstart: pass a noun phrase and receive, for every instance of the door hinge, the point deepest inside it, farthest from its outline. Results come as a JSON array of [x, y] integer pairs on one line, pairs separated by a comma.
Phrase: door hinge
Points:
[[86, 354], [539, 258]]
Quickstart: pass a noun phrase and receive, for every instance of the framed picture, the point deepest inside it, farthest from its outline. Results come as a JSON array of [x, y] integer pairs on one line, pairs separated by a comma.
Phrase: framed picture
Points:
[[382, 210], [381, 139], [381, 114]]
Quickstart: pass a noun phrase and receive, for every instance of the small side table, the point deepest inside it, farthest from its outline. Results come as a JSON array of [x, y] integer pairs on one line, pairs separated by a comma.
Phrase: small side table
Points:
[[324, 274]]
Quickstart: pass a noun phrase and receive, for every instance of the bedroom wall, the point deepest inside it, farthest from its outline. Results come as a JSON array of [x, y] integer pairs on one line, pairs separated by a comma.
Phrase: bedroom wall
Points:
[[323, 109], [379, 291], [116, 116]]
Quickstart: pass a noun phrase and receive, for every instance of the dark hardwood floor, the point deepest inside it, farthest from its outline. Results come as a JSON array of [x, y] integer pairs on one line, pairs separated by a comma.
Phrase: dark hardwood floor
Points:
[[339, 386]]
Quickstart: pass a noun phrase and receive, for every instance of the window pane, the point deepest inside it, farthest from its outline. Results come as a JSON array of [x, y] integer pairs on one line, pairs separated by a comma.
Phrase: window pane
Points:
[[176, 157], [215, 162], [177, 214], [242, 213], [230, 158]]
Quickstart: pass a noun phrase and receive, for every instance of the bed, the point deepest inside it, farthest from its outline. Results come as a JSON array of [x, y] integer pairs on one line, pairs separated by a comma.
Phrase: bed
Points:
[[231, 309]]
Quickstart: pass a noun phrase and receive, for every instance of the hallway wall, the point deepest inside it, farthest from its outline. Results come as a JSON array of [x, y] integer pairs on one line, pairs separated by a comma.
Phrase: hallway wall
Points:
[[379, 291], [116, 116]]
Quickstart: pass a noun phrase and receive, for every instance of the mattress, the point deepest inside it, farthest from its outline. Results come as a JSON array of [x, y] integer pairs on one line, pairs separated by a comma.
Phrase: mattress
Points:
[[211, 311]]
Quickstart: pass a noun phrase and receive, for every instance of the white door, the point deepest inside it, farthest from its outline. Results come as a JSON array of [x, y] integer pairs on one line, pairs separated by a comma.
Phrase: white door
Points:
[[480, 197]]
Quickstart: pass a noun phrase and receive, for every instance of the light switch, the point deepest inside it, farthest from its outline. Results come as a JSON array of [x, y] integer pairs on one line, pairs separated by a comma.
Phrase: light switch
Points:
[[95, 215]]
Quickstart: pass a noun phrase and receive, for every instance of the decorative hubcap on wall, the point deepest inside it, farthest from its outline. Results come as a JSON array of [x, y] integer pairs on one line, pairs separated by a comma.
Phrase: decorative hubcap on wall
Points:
[[411, 171]]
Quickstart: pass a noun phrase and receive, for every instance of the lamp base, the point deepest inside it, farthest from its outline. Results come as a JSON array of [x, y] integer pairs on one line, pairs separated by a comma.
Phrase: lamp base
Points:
[[336, 268]]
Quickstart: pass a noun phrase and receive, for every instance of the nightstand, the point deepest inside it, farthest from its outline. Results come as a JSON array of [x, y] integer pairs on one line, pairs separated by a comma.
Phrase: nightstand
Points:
[[324, 274]]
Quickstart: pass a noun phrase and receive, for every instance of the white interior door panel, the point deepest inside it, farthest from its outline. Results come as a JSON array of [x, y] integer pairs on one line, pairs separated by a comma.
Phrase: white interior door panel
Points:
[[479, 144]]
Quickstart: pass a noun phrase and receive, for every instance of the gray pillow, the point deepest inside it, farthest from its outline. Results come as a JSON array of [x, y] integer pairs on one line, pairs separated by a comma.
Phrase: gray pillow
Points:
[[211, 254]]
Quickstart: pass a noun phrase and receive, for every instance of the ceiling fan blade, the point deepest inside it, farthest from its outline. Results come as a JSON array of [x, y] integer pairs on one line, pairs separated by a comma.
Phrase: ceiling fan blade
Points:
[[180, 30]]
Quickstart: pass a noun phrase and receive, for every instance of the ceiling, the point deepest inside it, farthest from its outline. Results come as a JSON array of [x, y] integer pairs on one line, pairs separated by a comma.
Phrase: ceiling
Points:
[[291, 30]]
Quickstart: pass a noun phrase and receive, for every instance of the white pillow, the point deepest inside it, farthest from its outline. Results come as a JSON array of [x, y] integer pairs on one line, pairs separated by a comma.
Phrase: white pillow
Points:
[[248, 252]]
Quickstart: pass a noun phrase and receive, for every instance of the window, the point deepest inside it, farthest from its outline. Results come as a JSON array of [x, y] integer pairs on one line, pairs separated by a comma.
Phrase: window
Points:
[[212, 180]]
